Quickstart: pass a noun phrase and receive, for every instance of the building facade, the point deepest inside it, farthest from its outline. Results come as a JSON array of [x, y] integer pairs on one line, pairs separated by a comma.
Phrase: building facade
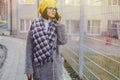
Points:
[[99, 14], [20, 15]]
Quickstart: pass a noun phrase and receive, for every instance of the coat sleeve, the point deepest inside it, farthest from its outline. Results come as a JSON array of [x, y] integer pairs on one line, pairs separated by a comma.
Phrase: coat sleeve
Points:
[[61, 35], [29, 56]]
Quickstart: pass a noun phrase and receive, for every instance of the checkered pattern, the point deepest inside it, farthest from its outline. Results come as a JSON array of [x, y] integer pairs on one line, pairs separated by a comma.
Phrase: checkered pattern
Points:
[[42, 41]]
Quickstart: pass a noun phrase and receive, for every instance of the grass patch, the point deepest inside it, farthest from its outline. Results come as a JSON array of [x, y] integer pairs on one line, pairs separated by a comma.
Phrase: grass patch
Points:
[[71, 72], [106, 63]]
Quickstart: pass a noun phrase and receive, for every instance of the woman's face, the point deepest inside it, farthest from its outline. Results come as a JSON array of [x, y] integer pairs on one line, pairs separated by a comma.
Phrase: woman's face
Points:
[[51, 11]]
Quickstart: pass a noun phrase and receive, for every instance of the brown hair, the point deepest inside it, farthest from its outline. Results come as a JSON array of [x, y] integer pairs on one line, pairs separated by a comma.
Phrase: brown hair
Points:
[[44, 15]]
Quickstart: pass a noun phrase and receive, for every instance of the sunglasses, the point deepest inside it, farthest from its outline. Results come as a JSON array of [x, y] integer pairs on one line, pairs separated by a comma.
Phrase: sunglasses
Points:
[[52, 8]]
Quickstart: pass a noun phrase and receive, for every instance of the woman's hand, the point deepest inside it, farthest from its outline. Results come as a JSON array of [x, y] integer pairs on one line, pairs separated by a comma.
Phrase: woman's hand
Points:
[[59, 20], [29, 76]]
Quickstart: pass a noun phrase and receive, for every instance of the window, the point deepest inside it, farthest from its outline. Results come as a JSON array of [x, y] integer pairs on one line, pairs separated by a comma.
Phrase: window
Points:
[[72, 1], [75, 26], [96, 23], [109, 2], [93, 27], [96, 26], [118, 2], [113, 2], [67, 25], [28, 22], [72, 26], [88, 28], [21, 24], [26, 1], [25, 24], [94, 2], [113, 28]]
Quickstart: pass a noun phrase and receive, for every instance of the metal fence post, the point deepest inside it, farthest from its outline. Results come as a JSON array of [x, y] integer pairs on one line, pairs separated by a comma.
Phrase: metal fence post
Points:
[[11, 17], [82, 28]]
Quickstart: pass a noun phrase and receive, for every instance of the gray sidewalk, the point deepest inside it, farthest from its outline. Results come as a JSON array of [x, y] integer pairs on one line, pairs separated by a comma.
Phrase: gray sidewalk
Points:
[[15, 63]]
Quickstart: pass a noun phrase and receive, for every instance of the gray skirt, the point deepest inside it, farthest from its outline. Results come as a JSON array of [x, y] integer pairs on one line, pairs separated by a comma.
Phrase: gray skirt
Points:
[[50, 71]]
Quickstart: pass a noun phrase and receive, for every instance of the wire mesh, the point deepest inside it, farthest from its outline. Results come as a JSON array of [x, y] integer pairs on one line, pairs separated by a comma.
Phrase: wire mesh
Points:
[[101, 43]]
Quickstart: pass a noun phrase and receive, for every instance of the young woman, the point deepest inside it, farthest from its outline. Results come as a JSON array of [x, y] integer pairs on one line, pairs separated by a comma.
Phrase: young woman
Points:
[[43, 60]]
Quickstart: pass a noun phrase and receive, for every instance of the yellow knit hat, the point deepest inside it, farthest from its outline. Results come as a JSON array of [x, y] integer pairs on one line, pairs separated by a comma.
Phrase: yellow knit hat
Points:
[[45, 3]]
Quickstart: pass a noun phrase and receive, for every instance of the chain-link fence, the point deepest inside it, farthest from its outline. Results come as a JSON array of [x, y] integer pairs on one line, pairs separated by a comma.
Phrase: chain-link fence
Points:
[[100, 45]]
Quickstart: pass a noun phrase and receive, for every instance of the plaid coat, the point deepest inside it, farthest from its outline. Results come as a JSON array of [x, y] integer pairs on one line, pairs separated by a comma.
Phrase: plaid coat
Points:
[[51, 70]]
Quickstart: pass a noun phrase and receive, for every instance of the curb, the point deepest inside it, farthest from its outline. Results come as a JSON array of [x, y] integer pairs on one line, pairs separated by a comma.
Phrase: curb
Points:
[[5, 51], [3, 60]]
